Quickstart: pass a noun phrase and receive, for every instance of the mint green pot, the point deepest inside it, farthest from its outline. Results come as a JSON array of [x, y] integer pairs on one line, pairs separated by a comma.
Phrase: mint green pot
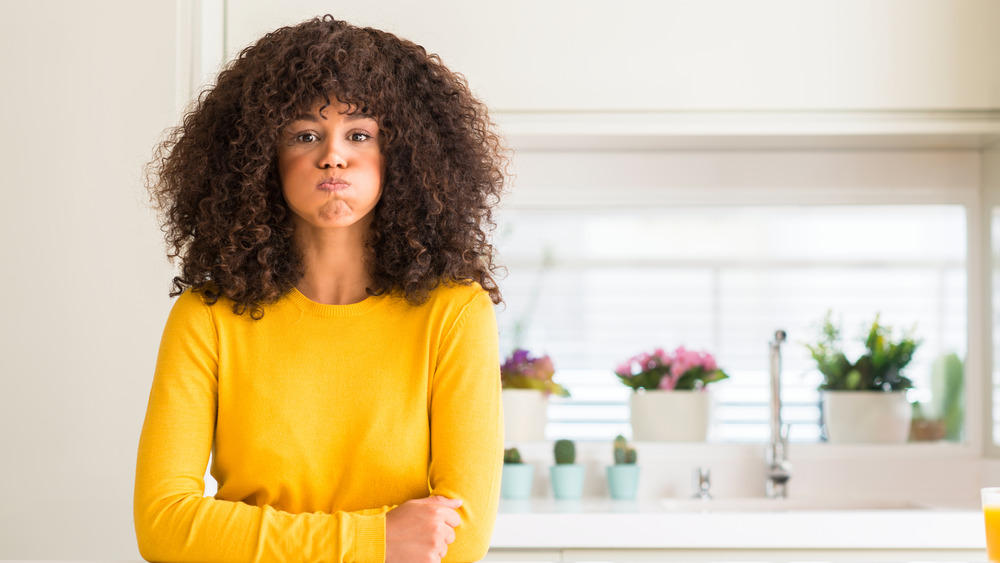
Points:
[[623, 481], [516, 480], [567, 481]]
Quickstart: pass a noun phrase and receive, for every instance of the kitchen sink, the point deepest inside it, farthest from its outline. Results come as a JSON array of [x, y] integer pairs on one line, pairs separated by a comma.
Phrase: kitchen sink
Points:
[[760, 504]]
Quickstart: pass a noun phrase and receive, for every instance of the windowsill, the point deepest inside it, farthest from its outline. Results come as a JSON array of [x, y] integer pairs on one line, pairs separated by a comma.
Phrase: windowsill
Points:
[[914, 472], [797, 450]]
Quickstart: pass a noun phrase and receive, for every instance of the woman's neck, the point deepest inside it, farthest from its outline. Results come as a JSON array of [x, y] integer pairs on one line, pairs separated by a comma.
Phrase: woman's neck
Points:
[[334, 265]]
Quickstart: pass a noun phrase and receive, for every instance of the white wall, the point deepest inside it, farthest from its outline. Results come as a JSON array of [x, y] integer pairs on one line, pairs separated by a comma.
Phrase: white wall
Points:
[[88, 86], [525, 55], [556, 179]]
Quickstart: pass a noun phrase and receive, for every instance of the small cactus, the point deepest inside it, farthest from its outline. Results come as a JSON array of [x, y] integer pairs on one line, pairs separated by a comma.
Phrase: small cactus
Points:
[[511, 455], [565, 451], [623, 453]]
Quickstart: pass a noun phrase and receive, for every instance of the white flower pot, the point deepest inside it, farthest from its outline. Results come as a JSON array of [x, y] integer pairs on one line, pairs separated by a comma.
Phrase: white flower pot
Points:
[[670, 416], [525, 412], [867, 417]]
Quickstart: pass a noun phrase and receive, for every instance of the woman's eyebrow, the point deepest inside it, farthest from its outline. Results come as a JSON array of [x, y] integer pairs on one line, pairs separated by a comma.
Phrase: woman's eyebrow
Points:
[[357, 116]]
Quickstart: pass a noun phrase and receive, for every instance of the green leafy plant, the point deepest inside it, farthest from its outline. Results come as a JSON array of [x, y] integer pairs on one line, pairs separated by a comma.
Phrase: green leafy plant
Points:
[[511, 455], [565, 452], [624, 454], [877, 369], [945, 412], [947, 384], [523, 371]]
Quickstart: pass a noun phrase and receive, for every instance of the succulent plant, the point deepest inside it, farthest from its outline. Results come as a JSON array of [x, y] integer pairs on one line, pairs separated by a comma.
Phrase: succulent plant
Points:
[[623, 453], [511, 455], [565, 452]]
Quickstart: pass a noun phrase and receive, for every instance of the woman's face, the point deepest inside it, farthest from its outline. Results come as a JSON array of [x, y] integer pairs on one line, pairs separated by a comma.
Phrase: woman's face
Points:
[[331, 167]]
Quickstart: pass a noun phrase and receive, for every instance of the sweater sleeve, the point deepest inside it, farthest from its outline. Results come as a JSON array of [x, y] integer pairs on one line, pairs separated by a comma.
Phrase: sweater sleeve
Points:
[[466, 418], [174, 521]]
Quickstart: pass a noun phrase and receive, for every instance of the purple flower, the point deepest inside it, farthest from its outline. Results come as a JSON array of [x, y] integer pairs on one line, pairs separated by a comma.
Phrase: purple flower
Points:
[[522, 371]]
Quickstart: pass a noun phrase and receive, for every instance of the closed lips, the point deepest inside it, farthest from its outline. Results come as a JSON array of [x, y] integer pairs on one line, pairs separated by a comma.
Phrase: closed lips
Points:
[[333, 184]]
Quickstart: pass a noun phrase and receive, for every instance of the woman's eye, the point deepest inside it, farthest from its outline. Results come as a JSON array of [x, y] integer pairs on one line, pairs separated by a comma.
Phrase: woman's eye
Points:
[[358, 136], [306, 138]]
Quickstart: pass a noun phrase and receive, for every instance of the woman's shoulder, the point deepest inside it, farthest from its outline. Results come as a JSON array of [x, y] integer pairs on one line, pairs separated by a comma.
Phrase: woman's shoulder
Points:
[[189, 303], [460, 301], [189, 307], [459, 292], [195, 304]]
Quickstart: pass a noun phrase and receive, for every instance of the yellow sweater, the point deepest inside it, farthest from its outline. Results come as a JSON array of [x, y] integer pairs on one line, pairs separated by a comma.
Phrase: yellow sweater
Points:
[[321, 418]]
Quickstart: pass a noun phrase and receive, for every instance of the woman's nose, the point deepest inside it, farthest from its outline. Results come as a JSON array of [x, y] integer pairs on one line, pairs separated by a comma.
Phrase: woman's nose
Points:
[[332, 155]]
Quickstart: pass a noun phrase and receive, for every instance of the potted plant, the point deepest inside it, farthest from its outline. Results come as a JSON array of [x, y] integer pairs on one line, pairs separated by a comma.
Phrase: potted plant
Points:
[[864, 401], [670, 402], [623, 476], [517, 476], [567, 475], [943, 416], [527, 383]]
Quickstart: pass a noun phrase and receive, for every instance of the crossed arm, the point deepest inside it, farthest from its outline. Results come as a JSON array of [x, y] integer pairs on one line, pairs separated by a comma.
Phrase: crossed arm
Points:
[[175, 522]]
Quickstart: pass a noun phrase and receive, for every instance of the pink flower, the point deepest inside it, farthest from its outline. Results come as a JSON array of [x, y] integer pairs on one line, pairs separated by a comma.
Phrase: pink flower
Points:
[[668, 382], [683, 360], [658, 369], [663, 357], [646, 361], [708, 362]]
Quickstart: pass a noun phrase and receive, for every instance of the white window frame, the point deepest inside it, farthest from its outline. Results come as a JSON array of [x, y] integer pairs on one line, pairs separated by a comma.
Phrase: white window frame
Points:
[[971, 196], [984, 270]]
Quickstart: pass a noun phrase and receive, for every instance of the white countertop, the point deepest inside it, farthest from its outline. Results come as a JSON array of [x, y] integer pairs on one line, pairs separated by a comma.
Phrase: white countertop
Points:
[[734, 523]]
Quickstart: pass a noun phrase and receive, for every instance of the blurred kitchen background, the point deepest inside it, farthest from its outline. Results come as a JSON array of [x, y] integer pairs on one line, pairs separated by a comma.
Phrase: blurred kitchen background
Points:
[[684, 172]]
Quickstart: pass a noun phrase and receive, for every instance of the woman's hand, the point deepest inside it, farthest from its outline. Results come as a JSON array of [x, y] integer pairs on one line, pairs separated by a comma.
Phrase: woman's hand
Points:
[[420, 530]]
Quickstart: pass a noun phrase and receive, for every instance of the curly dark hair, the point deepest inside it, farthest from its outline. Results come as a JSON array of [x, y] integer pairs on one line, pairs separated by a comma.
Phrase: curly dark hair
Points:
[[215, 179]]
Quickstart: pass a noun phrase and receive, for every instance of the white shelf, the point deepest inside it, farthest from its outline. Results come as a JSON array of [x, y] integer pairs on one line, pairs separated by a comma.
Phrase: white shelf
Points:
[[731, 130]]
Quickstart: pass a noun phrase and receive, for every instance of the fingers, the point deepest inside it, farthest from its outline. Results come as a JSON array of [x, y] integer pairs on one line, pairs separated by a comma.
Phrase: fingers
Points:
[[421, 528], [446, 508], [444, 501], [450, 517], [449, 536]]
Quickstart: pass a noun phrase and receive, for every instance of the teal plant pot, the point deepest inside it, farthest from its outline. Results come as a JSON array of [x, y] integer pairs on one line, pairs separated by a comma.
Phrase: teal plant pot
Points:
[[623, 481], [567, 481], [516, 480]]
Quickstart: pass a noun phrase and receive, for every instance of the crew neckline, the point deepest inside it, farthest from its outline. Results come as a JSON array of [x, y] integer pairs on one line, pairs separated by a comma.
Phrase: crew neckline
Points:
[[324, 310]]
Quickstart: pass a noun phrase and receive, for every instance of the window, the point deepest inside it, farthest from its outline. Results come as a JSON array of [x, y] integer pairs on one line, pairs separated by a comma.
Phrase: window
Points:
[[593, 287]]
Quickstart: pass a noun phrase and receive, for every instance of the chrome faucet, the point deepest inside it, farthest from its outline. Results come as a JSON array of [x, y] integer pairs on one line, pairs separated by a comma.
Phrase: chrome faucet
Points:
[[779, 469], [702, 481]]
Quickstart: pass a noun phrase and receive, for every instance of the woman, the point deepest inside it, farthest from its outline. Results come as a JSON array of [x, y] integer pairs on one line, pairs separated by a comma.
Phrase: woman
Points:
[[334, 343]]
